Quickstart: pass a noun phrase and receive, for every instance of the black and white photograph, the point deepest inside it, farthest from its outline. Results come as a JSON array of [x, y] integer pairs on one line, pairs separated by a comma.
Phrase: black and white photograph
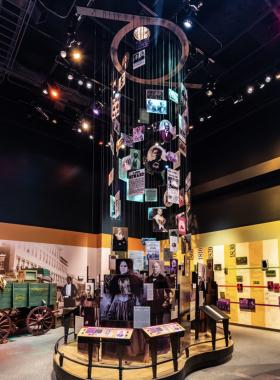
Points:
[[126, 163], [120, 238], [138, 259], [89, 309], [112, 261], [138, 134], [138, 59], [182, 129], [152, 250], [156, 268], [151, 213], [121, 81], [173, 186], [181, 197], [173, 243], [177, 163], [116, 284], [173, 266], [157, 158], [172, 95], [167, 254], [160, 220], [135, 159], [188, 182], [89, 290], [147, 239], [165, 200], [182, 148], [185, 116], [142, 44], [166, 130], [156, 126], [157, 106], [127, 140], [115, 107], [125, 61], [174, 233], [119, 144], [171, 156], [112, 144], [154, 94], [117, 127], [182, 95], [124, 266]]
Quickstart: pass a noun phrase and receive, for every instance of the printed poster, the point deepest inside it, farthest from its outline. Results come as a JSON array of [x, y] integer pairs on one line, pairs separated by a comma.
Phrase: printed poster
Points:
[[172, 186], [138, 59], [138, 259], [150, 195], [173, 243], [136, 182], [152, 250]]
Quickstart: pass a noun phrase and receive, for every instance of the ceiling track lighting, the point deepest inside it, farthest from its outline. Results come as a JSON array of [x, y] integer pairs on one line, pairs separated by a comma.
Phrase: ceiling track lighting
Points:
[[268, 78], [70, 75], [260, 84], [208, 115], [250, 89], [189, 21], [45, 88], [201, 119], [54, 92], [81, 81], [89, 84], [237, 98], [277, 73]]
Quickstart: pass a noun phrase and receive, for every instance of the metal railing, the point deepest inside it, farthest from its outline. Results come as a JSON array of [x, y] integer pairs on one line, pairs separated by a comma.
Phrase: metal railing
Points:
[[89, 365]]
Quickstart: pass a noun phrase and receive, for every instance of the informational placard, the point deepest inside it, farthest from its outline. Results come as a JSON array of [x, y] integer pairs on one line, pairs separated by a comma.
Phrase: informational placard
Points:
[[173, 243], [167, 254], [109, 332], [136, 181], [150, 291], [138, 59], [150, 195], [172, 95], [122, 175], [147, 239], [115, 108], [136, 198], [152, 250], [138, 259], [141, 317], [173, 186], [79, 323], [163, 329]]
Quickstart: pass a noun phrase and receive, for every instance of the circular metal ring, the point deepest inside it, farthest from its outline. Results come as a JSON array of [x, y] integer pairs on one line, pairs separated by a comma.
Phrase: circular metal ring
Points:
[[139, 21]]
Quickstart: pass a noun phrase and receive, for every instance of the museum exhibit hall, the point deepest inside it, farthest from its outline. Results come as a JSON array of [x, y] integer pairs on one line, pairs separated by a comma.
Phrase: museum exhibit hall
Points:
[[139, 189]]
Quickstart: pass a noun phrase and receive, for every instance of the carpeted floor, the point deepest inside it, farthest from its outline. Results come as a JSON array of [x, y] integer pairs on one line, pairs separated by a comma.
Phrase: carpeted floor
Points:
[[256, 357]]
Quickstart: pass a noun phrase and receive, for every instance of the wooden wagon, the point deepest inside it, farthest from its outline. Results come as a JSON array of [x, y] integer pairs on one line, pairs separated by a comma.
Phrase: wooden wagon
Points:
[[26, 304]]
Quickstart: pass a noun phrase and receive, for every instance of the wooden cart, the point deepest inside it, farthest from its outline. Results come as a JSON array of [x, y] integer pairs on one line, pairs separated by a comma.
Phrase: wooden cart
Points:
[[23, 304]]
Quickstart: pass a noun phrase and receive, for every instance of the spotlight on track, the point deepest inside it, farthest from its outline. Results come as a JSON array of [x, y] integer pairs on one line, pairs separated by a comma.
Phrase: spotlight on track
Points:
[[237, 98], [277, 73], [79, 130], [250, 89], [208, 115], [123, 146], [261, 84], [91, 137], [70, 75], [75, 50], [117, 94], [45, 88], [156, 143], [100, 142], [89, 84], [189, 21], [191, 126], [268, 78], [81, 81], [96, 111], [166, 166], [54, 92], [85, 125], [63, 53], [201, 119]]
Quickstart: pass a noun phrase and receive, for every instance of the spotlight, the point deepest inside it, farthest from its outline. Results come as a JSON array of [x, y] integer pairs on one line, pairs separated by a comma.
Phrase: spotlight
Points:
[[261, 84], [208, 116], [85, 125], [79, 130], [123, 146], [45, 88], [91, 137], [96, 111], [250, 89], [63, 54], [268, 78], [209, 91], [81, 81], [201, 119], [141, 33], [117, 95], [166, 166], [277, 75], [89, 84], [100, 142], [191, 126], [156, 143], [54, 92], [188, 22], [54, 121], [75, 50], [235, 100], [70, 75]]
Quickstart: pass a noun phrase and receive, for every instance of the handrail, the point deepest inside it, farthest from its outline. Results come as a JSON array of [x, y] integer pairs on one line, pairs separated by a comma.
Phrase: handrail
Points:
[[63, 356]]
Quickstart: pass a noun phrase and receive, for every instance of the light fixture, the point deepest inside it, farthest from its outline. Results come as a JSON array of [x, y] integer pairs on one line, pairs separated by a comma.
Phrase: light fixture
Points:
[[268, 78], [156, 143], [100, 142], [234, 99], [54, 121], [208, 115], [250, 89], [117, 94], [45, 88], [81, 81], [148, 127], [237, 98], [166, 166], [277, 75], [201, 118], [261, 84], [89, 84], [141, 33], [209, 91], [70, 75], [85, 125], [96, 111], [123, 146], [75, 50], [107, 145], [91, 137], [191, 126], [189, 21], [79, 130], [54, 92], [63, 53]]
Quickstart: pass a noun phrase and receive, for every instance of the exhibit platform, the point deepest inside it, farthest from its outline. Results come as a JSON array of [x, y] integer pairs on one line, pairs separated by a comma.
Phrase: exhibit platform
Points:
[[201, 355]]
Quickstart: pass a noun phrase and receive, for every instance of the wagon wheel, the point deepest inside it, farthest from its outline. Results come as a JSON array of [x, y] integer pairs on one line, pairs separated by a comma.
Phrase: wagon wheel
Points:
[[39, 320], [5, 325]]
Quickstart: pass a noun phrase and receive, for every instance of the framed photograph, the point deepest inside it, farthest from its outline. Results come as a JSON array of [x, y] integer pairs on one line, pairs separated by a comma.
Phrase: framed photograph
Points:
[[119, 144], [157, 159], [126, 163], [173, 266], [182, 148], [188, 182], [112, 261], [138, 59], [177, 163], [156, 106], [166, 130], [125, 61], [147, 239], [115, 107], [181, 197], [160, 220], [241, 260], [224, 304], [174, 233], [121, 81], [270, 285], [120, 238], [247, 303], [218, 267], [127, 140], [138, 134], [135, 159], [154, 94], [239, 278], [89, 290], [124, 266], [181, 226], [172, 95], [156, 268], [239, 287], [111, 176]]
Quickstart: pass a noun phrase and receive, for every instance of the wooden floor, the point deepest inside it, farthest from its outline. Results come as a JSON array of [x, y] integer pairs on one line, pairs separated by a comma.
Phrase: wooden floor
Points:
[[163, 371]]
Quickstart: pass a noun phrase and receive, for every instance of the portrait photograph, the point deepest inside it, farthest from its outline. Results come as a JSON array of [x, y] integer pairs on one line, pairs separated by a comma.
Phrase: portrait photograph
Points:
[[181, 197], [172, 157], [181, 226], [182, 128], [138, 134], [124, 266], [157, 159], [126, 163], [117, 127], [173, 266], [135, 159], [111, 177], [123, 284], [127, 140], [154, 94], [188, 200], [125, 61], [165, 201], [186, 243], [157, 106], [160, 220], [157, 277], [177, 163], [120, 238], [89, 290], [182, 148], [174, 233], [156, 268], [166, 130]]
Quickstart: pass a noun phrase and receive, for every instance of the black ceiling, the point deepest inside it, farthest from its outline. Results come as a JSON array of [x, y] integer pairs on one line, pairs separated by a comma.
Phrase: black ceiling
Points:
[[241, 37]]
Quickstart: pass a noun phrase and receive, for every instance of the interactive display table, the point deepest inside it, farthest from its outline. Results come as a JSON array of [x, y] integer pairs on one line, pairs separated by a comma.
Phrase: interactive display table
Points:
[[93, 335], [151, 335], [216, 315]]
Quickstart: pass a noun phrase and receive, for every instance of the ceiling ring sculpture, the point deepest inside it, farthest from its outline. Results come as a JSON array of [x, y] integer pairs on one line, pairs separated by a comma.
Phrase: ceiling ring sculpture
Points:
[[135, 22]]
